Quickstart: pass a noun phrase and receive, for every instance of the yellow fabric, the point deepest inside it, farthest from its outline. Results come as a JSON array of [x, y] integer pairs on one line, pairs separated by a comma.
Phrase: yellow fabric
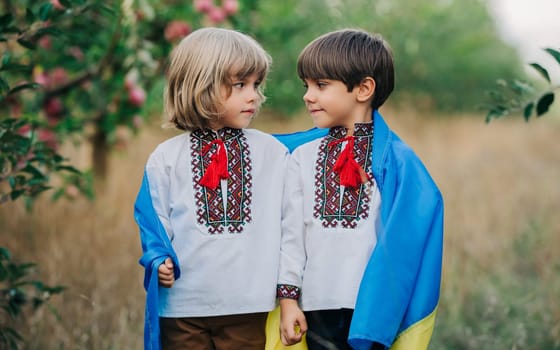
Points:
[[273, 341], [417, 336]]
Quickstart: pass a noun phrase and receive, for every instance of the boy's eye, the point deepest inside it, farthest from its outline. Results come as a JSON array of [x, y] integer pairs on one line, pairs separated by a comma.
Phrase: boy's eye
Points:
[[321, 84], [238, 85]]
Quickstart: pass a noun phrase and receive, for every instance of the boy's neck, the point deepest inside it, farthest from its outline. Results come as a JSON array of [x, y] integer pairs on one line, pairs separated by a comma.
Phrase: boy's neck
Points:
[[358, 118]]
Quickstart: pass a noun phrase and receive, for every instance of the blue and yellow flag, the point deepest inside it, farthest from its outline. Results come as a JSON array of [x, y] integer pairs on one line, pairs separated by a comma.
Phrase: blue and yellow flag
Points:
[[399, 292]]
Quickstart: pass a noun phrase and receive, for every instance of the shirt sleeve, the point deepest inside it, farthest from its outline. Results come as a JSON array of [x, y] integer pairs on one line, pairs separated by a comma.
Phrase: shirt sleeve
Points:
[[292, 249], [158, 177]]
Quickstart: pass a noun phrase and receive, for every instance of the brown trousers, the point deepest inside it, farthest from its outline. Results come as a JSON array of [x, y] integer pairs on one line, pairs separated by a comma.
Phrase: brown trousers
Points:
[[231, 332]]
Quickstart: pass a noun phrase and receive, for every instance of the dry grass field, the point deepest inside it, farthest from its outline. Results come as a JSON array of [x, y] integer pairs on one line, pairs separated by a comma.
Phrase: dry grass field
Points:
[[501, 281]]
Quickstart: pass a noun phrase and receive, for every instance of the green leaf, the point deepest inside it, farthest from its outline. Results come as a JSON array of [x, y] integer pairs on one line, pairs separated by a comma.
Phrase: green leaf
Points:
[[520, 87], [68, 168], [33, 171], [16, 194], [496, 96], [528, 110], [17, 67], [30, 16], [12, 181], [5, 253], [37, 302], [541, 70], [55, 289], [6, 58], [6, 19], [553, 53], [66, 3], [12, 30], [52, 30], [44, 11], [107, 9], [27, 44], [544, 103], [36, 182], [496, 112], [23, 87], [4, 85], [57, 194]]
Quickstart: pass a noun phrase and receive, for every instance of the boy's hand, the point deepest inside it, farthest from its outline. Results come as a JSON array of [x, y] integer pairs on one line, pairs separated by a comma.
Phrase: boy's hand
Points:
[[292, 322], [166, 276]]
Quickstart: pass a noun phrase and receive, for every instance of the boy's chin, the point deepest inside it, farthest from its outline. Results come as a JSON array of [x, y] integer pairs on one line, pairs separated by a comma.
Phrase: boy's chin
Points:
[[322, 124]]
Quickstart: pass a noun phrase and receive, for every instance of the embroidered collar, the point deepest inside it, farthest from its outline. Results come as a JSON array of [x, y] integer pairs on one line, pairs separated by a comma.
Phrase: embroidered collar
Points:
[[360, 130], [223, 134]]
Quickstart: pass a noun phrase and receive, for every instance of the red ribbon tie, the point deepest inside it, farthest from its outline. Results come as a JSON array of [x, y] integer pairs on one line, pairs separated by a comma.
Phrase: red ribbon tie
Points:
[[350, 173], [218, 168]]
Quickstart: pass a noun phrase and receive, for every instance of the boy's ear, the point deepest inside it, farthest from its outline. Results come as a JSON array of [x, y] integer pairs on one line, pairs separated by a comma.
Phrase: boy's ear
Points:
[[366, 89]]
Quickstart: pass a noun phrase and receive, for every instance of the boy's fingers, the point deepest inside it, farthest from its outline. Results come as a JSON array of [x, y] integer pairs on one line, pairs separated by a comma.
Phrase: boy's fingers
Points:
[[302, 325], [287, 340], [169, 263], [166, 277], [292, 336], [283, 339], [166, 284]]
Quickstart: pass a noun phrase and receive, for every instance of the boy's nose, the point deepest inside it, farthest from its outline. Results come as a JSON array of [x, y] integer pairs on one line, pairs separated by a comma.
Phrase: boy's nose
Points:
[[308, 97], [252, 95]]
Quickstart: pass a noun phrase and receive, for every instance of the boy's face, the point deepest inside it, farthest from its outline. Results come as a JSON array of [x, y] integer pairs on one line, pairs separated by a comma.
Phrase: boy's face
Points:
[[241, 104], [331, 104]]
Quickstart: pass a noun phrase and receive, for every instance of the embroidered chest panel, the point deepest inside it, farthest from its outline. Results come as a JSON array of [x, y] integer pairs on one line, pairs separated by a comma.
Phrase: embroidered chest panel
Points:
[[333, 206], [223, 212]]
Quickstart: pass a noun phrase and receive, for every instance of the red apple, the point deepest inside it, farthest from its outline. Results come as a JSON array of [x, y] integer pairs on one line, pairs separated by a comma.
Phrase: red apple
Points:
[[57, 5], [216, 15], [230, 6], [203, 5], [136, 96], [176, 30], [48, 137], [53, 107]]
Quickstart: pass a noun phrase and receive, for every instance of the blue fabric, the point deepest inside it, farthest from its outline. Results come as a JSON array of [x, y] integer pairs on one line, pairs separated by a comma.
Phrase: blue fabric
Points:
[[401, 283], [156, 248], [292, 141]]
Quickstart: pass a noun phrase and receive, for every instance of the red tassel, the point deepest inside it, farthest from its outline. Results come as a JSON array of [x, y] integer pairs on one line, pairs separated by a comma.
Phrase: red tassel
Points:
[[217, 170], [350, 173]]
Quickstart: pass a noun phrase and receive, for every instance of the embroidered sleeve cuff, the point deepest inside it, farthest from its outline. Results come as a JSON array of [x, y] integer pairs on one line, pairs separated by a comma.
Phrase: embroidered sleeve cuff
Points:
[[288, 291]]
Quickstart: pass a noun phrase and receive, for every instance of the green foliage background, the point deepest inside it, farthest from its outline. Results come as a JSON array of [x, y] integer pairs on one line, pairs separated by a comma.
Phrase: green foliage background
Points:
[[447, 53]]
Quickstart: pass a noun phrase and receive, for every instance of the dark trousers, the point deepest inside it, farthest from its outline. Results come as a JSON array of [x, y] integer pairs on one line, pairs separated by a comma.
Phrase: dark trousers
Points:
[[232, 332], [328, 330]]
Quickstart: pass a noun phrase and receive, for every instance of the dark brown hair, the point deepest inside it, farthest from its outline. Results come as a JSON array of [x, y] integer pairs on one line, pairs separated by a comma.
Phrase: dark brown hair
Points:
[[350, 55]]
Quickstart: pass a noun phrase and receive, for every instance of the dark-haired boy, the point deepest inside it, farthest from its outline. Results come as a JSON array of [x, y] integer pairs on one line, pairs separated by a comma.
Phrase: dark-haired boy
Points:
[[363, 220]]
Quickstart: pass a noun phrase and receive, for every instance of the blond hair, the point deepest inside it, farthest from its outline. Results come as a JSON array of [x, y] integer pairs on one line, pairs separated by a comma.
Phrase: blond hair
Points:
[[204, 62]]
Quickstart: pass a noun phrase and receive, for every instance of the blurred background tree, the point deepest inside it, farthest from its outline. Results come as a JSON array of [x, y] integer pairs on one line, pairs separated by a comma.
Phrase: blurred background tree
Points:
[[446, 52], [96, 69], [515, 96]]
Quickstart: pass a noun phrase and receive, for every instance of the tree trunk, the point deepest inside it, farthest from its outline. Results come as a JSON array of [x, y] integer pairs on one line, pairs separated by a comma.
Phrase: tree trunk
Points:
[[100, 156]]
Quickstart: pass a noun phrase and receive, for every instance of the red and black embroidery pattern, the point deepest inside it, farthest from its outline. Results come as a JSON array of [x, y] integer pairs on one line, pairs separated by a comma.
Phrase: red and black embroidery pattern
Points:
[[288, 291], [353, 206], [210, 202]]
